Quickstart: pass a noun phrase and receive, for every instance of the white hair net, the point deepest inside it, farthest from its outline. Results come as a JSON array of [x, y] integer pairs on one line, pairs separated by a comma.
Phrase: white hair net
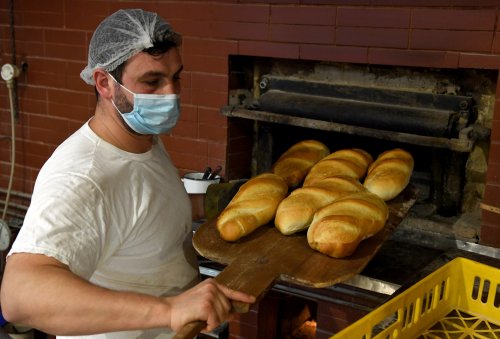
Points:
[[122, 35]]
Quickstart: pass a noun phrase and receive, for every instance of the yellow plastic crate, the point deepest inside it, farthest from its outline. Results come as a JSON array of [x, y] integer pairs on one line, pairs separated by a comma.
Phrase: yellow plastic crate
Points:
[[459, 300]]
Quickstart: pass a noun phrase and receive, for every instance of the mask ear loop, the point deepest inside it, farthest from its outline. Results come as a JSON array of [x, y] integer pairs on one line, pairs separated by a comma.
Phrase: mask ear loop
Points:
[[125, 88]]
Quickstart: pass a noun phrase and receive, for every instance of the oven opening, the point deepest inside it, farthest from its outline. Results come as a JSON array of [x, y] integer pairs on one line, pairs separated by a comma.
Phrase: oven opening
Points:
[[441, 116]]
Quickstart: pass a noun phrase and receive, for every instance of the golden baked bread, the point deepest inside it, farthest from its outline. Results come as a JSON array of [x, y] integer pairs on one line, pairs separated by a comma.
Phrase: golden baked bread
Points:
[[347, 162], [295, 163], [338, 228], [296, 211], [389, 174], [254, 205]]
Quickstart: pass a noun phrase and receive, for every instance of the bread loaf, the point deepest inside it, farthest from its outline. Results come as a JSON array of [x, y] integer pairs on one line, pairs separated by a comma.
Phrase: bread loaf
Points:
[[254, 205], [295, 163], [389, 174], [338, 228], [347, 162], [296, 211]]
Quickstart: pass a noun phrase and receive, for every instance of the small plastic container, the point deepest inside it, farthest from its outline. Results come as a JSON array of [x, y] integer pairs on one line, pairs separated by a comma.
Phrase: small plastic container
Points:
[[459, 300]]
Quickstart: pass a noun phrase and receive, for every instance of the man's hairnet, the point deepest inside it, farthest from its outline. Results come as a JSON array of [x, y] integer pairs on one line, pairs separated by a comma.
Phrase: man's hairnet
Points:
[[121, 36]]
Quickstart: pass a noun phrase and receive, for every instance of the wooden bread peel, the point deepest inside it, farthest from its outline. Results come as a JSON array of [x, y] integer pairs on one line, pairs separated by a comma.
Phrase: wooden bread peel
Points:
[[266, 256]]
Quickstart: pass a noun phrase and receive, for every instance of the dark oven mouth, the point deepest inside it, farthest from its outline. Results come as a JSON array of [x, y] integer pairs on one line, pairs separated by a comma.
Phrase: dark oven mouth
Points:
[[443, 117]]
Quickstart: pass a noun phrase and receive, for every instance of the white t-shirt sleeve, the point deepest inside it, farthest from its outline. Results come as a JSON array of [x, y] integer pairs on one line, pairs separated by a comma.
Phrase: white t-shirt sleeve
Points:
[[66, 221]]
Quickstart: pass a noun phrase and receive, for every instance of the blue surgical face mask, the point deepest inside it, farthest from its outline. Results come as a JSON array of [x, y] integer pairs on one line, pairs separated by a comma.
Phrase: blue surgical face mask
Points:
[[152, 113]]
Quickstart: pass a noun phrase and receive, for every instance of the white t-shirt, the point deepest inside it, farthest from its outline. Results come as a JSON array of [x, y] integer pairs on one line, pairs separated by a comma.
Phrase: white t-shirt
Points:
[[121, 220]]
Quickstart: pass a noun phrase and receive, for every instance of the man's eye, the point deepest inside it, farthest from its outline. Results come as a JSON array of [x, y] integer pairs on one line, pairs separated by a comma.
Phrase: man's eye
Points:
[[152, 82]]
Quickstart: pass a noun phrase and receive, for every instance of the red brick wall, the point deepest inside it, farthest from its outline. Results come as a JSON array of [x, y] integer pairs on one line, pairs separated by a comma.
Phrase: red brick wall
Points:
[[52, 38]]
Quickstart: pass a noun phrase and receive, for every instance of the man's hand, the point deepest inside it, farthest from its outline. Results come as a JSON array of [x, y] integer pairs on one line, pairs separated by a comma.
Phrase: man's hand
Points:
[[208, 301]]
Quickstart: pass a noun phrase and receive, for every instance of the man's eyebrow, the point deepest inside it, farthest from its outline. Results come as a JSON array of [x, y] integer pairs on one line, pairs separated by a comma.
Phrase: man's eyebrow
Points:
[[159, 73]]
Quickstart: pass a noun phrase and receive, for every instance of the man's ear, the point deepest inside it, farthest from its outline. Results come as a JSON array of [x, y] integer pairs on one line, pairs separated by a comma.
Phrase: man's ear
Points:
[[103, 84]]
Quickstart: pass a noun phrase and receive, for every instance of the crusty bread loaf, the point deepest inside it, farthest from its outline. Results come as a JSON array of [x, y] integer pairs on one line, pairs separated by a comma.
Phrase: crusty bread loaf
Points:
[[295, 163], [389, 174], [296, 211], [347, 162], [339, 227], [254, 205]]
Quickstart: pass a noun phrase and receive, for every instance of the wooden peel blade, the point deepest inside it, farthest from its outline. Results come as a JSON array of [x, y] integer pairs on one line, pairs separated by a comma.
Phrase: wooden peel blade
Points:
[[257, 261]]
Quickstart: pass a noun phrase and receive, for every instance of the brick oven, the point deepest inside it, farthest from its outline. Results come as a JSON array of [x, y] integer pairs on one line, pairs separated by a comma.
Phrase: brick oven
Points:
[[436, 47]]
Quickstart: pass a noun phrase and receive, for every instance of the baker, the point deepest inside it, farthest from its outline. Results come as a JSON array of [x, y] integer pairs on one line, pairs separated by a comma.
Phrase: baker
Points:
[[105, 248]]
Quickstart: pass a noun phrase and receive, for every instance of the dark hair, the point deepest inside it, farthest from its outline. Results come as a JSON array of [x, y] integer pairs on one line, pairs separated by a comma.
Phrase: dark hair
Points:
[[162, 44]]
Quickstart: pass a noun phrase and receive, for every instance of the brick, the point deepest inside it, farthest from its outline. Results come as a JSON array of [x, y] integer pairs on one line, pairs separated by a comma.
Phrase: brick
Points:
[[186, 129], [273, 1], [189, 113], [198, 11], [217, 152], [47, 19], [212, 134], [496, 43], [31, 93], [145, 5], [75, 83], [33, 106], [334, 53], [209, 47], [373, 17], [240, 13], [33, 160], [208, 81], [209, 64], [377, 37], [66, 37], [36, 148], [493, 175], [208, 98], [490, 235], [39, 6], [302, 34], [86, 14], [412, 3], [33, 49], [480, 61], [492, 195], [195, 147], [268, 49], [188, 162], [48, 136], [495, 127], [413, 58], [494, 155], [28, 34], [47, 80], [337, 2], [70, 112], [66, 52], [453, 19], [303, 15], [192, 27], [66, 97], [240, 30], [212, 116], [186, 81], [465, 41]]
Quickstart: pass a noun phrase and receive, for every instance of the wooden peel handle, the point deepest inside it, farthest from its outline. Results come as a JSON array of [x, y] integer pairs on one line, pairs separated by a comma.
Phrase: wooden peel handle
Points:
[[190, 330]]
